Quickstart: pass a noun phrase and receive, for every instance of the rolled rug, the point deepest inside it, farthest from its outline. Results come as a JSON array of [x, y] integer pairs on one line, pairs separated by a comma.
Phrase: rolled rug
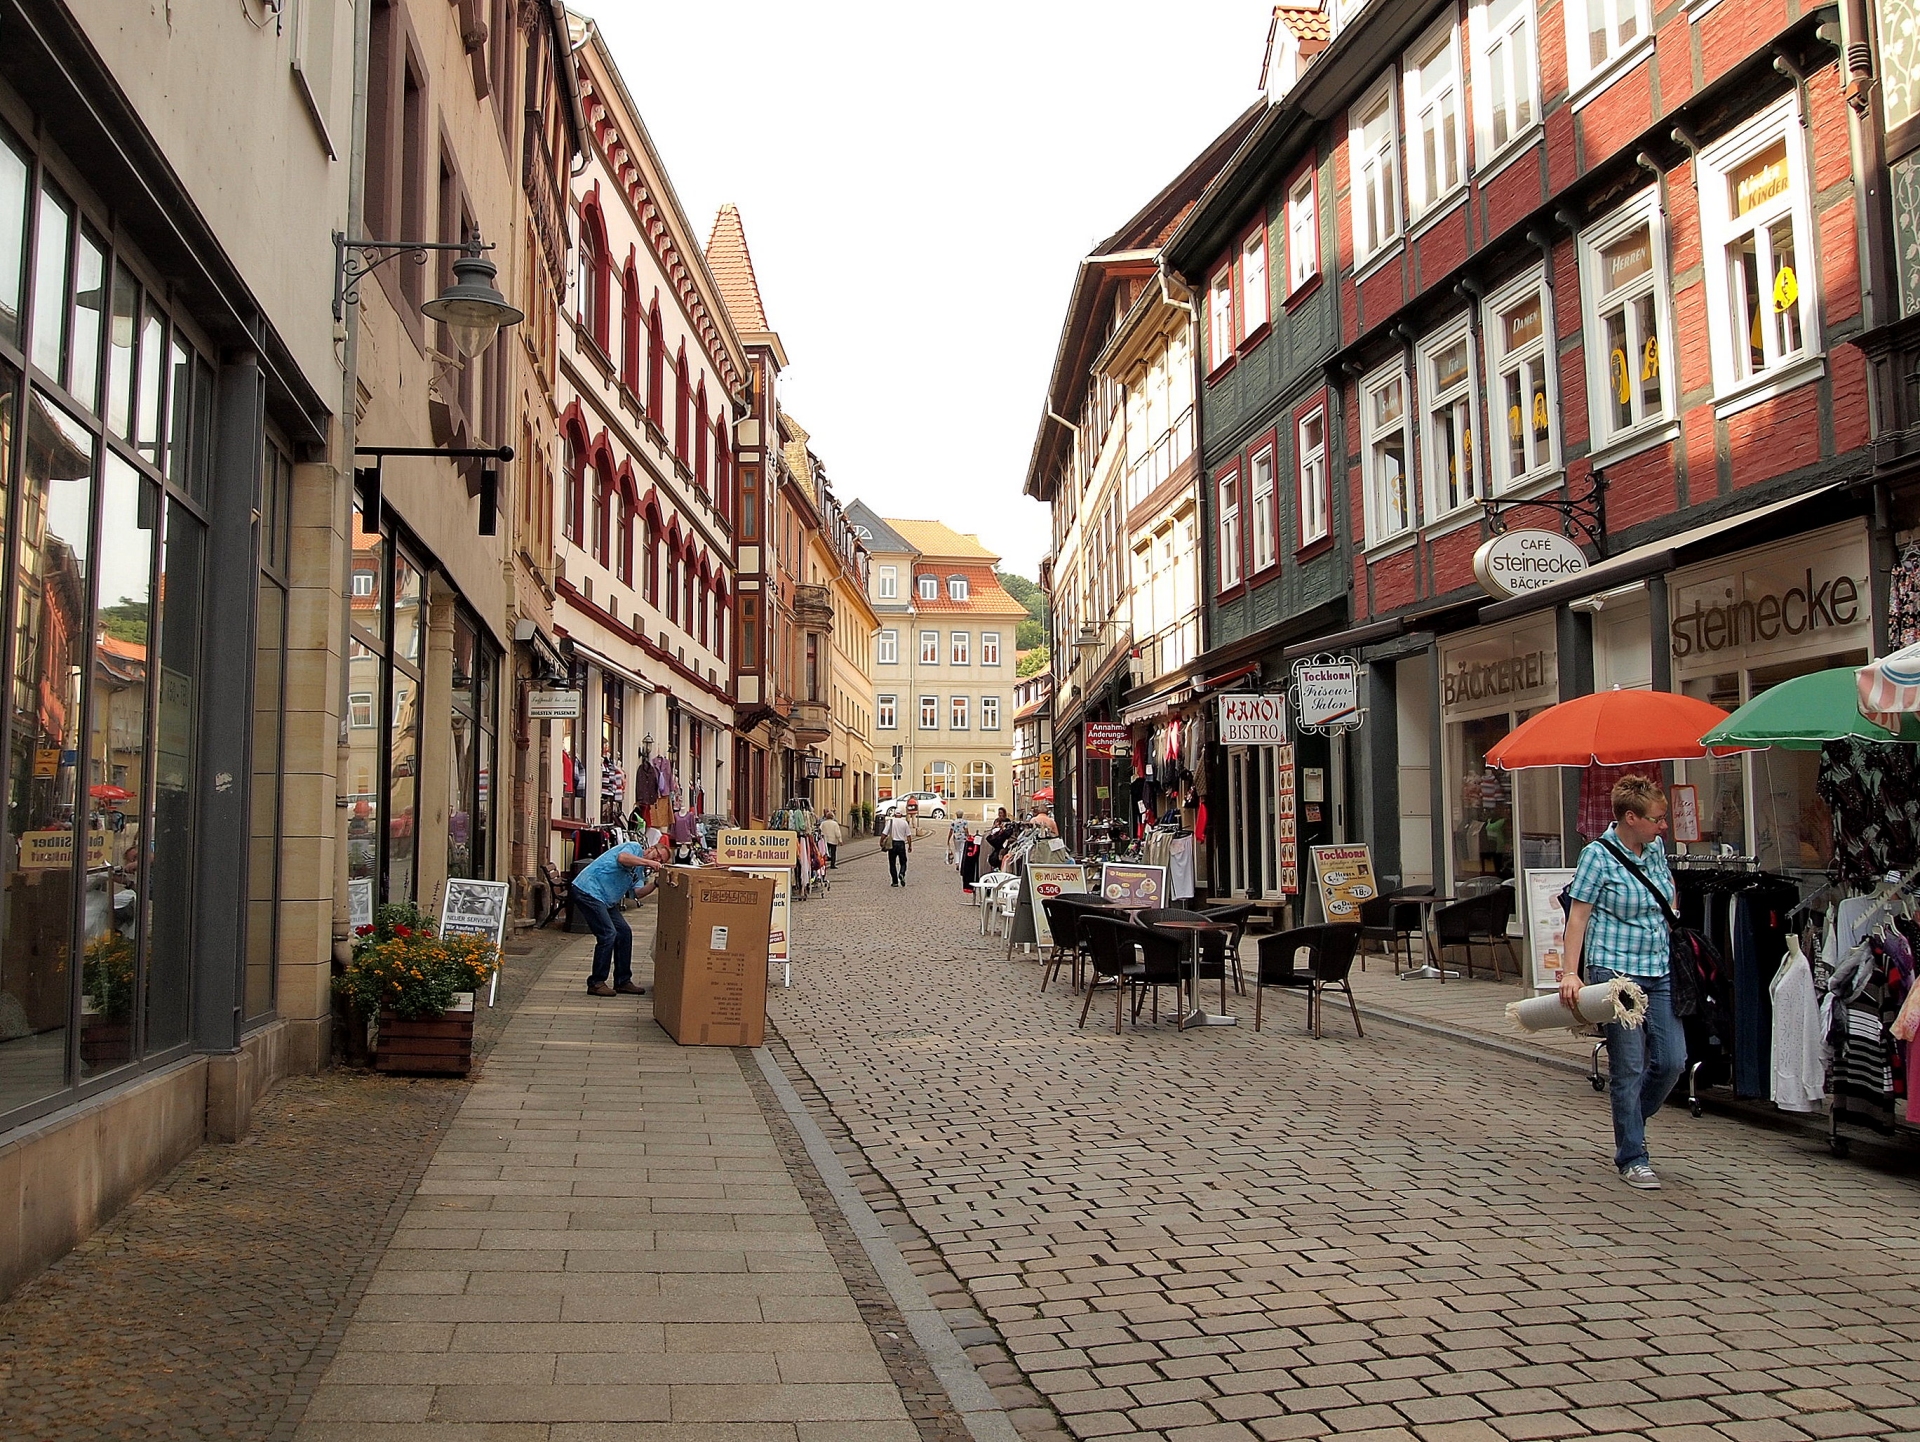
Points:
[[1618, 1000]]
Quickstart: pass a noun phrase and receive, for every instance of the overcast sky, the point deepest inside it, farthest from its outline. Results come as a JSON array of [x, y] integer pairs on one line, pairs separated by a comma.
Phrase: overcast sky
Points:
[[918, 183]]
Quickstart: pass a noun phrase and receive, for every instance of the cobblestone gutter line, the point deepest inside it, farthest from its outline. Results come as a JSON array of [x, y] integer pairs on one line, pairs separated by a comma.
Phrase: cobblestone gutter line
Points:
[[211, 1306], [960, 1354]]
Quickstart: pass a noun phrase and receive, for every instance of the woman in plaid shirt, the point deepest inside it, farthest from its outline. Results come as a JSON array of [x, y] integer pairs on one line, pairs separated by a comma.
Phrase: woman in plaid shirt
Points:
[[1616, 927]]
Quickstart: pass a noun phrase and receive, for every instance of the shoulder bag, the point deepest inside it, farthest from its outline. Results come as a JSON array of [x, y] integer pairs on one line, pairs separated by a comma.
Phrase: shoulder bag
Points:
[[1682, 941]]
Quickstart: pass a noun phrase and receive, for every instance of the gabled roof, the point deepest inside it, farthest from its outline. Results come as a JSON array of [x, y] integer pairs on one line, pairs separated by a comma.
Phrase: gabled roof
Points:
[[939, 540], [732, 266], [795, 449], [879, 535], [985, 595], [1310, 26]]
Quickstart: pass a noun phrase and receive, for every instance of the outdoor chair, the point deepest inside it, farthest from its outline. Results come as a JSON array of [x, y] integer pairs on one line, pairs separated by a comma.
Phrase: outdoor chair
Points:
[[1063, 920], [1330, 951], [1080, 904], [1215, 947], [1478, 921], [559, 891], [1004, 902], [1390, 919], [1165, 960], [1111, 955], [1235, 916], [988, 884]]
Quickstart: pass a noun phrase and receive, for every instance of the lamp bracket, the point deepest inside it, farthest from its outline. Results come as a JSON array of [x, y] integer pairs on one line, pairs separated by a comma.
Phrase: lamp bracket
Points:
[[1586, 514], [356, 258]]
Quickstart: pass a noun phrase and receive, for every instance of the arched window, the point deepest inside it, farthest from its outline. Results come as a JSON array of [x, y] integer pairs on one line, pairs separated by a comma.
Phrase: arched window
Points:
[[680, 402], [687, 582], [596, 276], [652, 576], [720, 621], [602, 511], [700, 612], [625, 551], [586, 268], [938, 777], [700, 435], [575, 523], [673, 581], [656, 363], [630, 329], [977, 785], [723, 465]]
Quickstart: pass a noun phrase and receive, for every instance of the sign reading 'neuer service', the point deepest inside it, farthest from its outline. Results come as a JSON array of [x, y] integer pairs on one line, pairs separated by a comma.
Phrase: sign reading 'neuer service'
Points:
[[1250, 719], [1516, 562]]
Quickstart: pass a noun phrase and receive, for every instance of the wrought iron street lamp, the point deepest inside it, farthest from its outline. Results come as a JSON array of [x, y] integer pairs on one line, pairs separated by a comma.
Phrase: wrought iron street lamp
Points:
[[471, 308]]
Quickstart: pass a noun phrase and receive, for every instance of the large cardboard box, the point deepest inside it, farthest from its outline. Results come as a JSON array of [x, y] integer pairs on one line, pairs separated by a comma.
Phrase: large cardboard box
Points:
[[710, 956]]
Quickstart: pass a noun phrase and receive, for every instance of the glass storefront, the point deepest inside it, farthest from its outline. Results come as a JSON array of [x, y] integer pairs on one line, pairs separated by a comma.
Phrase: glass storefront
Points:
[[106, 445], [470, 781], [1499, 822], [385, 652], [1741, 626]]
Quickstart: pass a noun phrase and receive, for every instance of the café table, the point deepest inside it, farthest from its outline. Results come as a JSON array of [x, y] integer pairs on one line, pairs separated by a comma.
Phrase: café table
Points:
[[1434, 970], [1194, 927]]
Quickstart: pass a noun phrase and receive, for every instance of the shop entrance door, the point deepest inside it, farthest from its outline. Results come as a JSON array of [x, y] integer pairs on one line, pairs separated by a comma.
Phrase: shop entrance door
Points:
[[1254, 830]]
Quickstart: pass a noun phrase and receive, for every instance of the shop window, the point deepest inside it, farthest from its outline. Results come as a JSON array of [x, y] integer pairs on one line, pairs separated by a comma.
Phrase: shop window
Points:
[[929, 648], [1757, 232], [977, 784], [1260, 503], [403, 731], [989, 713], [960, 710], [938, 777], [1384, 440], [1446, 383], [1623, 288], [470, 754], [1316, 506], [1601, 32], [51, 292], [929, 713], [1372, 143], [960, 648], [1303, 233], [885, 717], [1436, 147], [1506, 72], [888, 583], [1229, 511], [181, 612], [989, 648], [1524, 395], [886, 650]]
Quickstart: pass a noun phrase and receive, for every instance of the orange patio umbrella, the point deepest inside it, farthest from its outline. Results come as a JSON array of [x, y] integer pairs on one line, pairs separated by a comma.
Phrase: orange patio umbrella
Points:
[[1612, 728]]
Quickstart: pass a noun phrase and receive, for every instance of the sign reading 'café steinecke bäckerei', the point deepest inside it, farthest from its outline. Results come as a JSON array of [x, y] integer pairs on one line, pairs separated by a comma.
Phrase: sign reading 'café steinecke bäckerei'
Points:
[[1516, 562]]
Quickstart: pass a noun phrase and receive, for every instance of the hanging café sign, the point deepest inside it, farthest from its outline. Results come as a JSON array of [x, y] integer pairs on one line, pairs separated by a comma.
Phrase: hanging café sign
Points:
[[1516, 562], [1253, 719]]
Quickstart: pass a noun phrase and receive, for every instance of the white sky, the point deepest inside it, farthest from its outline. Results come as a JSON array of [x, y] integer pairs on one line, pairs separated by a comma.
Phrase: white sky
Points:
[[918, 183]]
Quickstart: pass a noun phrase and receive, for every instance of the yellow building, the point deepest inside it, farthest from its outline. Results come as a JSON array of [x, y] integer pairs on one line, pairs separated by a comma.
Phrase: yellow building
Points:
[[943, 663]]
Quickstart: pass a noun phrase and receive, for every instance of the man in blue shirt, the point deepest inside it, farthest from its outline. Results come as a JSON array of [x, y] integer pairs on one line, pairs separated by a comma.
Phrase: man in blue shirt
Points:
[[1618, 927], [597, 893]]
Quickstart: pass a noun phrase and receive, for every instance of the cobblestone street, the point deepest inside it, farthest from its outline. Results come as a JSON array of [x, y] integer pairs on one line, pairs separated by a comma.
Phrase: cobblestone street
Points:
[[1222, 1234]]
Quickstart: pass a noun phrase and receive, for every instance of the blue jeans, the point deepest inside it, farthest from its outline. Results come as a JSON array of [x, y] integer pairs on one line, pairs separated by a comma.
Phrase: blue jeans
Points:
[[614, 945], [1643, 1063]]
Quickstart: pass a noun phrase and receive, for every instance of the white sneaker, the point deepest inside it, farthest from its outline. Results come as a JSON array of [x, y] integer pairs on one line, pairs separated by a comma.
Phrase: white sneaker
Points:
[[1640, 1176]]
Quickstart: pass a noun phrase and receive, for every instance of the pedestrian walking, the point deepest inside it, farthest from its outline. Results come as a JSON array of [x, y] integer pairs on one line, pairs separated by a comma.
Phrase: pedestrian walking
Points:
[[957, 841], [598, 891], [899, 834], [830, 833], [1617, 925]]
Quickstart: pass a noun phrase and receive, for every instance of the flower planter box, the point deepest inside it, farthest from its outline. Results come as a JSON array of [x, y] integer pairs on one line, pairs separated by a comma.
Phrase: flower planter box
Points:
[[443, 1045], [104, 1043]]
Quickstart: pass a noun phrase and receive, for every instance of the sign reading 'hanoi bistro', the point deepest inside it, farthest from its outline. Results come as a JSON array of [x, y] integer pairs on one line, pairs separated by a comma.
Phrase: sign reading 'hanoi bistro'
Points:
[[1253, 719], [1516, 562]]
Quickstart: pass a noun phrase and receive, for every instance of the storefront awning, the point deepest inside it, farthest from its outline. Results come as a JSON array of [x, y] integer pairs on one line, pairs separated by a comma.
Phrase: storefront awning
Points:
[[1653, 559], [607, 663], [1158, 705], [679, 701]]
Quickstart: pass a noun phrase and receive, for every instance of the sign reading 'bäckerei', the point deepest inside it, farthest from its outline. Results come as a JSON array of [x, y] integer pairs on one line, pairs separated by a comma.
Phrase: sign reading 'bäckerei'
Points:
[[1250, 719], [1516, 562]]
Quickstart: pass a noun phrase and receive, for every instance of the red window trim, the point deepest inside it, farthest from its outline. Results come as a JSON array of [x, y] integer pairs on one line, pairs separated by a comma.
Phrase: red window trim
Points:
[[1311, 169], [1267, 441], [1233, 470], [1219, 368], [1318, 401], [1248, 339]]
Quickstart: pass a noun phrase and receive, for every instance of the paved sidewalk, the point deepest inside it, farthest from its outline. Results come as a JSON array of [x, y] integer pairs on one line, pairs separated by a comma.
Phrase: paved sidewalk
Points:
[[607, 1247]]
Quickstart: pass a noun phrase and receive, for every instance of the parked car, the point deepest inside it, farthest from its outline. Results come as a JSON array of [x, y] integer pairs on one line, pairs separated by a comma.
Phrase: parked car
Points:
[[926, 803]]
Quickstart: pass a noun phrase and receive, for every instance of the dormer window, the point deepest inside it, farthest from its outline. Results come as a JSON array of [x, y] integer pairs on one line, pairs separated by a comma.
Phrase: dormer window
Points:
[[956, 588], [929, 587]]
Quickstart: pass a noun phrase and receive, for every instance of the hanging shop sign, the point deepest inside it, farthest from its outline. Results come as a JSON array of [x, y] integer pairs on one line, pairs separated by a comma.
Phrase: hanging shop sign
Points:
[[1046, 766], [836, 770], [1108, 738], [553, 705], [1326, 694], [1516, 562], [1253, 719]]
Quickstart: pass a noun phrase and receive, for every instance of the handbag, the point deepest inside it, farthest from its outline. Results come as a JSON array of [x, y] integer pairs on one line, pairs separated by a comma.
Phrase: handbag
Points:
[[1682, 942]]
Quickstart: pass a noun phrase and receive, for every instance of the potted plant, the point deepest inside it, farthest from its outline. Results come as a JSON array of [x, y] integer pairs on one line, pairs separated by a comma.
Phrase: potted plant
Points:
[[419, 987], [106, 1002]]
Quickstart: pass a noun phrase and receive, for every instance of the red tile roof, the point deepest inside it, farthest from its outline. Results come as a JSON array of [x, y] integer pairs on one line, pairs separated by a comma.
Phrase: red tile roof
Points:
[[732, 268], [985, 594]]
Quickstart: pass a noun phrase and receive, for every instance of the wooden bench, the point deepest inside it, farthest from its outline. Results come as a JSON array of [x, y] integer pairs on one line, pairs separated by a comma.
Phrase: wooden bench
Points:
[[559, 891]]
